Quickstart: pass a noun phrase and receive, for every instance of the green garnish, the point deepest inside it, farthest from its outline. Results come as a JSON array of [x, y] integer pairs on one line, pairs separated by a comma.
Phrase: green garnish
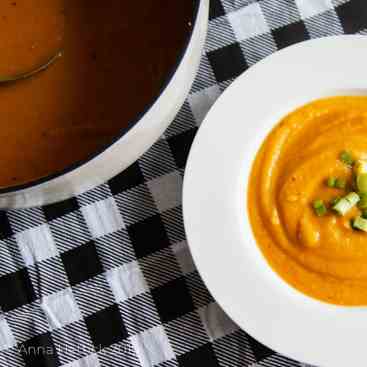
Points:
[[335, 200], [360, 223], [362, 204], [319, 208], [361, 181], [343, 204], [360, 172], [346, 203], [360, 166], [340, 183], [346, 158], [331, 181], [352, 197]]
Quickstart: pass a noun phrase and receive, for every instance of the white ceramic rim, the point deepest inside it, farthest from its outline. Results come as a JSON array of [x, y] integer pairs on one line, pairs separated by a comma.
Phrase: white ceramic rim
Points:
[[215, 203]]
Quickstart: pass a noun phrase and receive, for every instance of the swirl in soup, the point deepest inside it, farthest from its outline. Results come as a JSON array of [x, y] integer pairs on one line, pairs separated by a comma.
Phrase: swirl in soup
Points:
[[307, 199]]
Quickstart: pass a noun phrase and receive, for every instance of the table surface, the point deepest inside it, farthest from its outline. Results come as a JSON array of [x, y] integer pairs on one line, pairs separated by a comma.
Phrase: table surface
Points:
[[106, 278]]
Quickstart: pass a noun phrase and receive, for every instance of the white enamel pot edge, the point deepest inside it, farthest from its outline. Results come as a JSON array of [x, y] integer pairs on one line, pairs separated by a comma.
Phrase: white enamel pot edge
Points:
[[126, 150]]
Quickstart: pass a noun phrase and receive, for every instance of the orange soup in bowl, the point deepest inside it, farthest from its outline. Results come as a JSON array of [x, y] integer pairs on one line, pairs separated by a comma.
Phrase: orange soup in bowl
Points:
[[307, 199]]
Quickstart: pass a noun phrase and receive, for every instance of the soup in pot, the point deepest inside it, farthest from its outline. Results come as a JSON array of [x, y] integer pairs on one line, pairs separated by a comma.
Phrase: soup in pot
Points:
[[116, 57]]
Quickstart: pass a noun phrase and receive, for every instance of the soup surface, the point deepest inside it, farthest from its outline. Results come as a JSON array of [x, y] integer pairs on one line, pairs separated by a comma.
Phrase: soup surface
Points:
[[302, 162], [116, 56]]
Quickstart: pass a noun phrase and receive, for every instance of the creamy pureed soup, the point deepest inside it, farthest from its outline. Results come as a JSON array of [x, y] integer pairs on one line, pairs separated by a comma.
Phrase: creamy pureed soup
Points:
[[116, 56], [307, 199]]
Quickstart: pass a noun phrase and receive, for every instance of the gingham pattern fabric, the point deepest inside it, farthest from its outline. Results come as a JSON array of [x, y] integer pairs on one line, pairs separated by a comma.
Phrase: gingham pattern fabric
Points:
[[106, 278]]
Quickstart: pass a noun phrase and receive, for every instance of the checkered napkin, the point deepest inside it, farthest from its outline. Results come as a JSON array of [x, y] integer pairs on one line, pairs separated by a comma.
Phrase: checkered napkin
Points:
[[106, 278]]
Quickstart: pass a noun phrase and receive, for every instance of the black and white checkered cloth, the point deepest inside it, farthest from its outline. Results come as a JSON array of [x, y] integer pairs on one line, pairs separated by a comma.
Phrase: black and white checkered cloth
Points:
[[106, 278]]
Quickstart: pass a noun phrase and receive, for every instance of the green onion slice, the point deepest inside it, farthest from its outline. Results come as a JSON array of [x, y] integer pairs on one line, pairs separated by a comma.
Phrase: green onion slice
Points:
[[335, 200], [360, 223], [331, 181], [361, 181], [346, 158], [319, 208], [360, 166], [362, 204], [340, 183], [346, 203]]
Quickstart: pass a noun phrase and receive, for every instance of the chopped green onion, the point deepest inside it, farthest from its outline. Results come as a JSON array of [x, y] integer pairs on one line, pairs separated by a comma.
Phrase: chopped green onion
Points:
[[346, 158], [361, 181], [346, 203], [364, 214], [360, 166], [360, 223], [340, 183], [331, 181], [362, 204], [335, 200], [352, 197], [319, 208]]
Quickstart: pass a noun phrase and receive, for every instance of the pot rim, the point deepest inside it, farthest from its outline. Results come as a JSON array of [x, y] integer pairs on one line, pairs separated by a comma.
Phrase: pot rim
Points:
[[123, 131]]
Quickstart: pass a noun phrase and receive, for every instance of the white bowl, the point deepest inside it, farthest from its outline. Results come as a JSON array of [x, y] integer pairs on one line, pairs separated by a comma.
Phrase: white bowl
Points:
[[133, 142], [215, 204]]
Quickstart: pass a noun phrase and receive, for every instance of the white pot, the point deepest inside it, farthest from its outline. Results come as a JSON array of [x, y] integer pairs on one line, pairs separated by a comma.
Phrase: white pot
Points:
[[131, 145]]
